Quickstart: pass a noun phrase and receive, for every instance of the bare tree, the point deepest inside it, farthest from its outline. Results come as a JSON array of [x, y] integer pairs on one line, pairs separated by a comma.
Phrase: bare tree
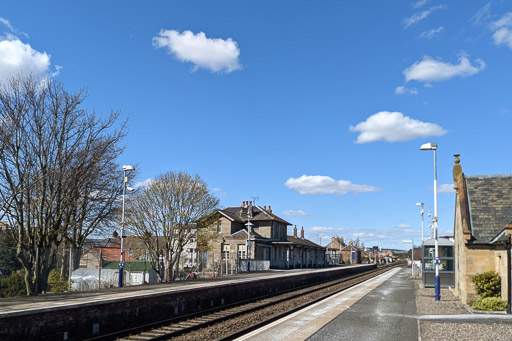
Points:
[[57, 164], [166, 215]]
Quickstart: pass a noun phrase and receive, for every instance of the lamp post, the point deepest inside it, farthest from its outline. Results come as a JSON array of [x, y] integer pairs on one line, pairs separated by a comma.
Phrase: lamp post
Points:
[[248, 243], [412, 255], [422, 223], [433, 146], [126, 168]]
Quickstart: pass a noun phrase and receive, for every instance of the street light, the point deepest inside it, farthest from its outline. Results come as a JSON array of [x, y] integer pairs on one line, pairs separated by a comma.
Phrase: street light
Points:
[[433, 146], [126, 168], [422, 211], [412, 255]]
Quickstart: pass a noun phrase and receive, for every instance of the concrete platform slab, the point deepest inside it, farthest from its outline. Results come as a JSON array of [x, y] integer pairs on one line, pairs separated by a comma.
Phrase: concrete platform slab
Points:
[[305, 323]]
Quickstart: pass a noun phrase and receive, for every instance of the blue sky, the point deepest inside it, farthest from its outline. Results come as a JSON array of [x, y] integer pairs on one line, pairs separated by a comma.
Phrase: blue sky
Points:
[[318, 108]]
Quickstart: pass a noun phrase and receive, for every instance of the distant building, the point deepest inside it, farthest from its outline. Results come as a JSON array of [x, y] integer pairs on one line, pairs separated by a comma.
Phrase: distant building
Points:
[[267, 245], [483, 216], [351, 254], [333, 250]]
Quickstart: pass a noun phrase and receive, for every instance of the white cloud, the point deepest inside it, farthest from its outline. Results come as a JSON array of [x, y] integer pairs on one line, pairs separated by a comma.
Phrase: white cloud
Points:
[[430, 34], [11, 28], [416, 17], [17, 57], [402, 90], [419, 3], [503, 30], [293, 213], [319, 184], [217, 55], [404, 226], [482, 14], [432, 70], [394, 127], [445, 188], [144, 184]]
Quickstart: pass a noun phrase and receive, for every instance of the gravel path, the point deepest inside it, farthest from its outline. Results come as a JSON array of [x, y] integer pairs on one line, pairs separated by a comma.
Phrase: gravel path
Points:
[[451, 330]]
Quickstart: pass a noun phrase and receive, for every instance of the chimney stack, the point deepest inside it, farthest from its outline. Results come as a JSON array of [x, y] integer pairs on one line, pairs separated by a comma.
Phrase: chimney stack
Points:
[[265, 207], [302, 233], [457, 170], [269, 209], [250, 203], [295, 231]]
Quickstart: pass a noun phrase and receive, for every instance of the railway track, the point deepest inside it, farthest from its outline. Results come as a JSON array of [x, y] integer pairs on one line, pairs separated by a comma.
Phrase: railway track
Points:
[[232, 322]]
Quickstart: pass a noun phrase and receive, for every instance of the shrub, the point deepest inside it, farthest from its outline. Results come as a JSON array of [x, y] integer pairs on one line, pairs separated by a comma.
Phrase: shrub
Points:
[[490, 304], [487, 284], [57, 282], [13, 285]]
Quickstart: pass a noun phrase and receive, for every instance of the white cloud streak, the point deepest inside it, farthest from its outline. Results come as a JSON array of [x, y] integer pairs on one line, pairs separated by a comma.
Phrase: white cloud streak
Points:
[[419, 3], [217, 55], [402, 90], [445, 188], [319, 184], [482, 14], [293, 213], [394, 127], [431, 33], [417, 17], [503, 30], [11, 28], [433, 70]]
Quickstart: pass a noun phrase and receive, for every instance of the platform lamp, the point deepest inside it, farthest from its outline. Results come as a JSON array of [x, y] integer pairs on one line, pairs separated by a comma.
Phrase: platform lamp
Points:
[[422, 223], [126, 168], [433, 146]]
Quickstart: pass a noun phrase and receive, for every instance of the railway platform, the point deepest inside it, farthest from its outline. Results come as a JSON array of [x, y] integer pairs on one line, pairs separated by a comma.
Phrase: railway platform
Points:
[[389, 307], [82, 315]]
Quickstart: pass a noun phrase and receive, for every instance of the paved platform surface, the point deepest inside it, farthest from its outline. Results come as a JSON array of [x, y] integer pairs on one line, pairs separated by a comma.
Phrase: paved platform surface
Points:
[[307, 322], [390, 307], [386, 313]]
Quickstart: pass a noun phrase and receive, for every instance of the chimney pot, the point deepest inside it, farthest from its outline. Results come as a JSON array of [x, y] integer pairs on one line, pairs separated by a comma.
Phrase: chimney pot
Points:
[[302, 233], [250, 203], [295, 231], [270, 208], [265, 207]]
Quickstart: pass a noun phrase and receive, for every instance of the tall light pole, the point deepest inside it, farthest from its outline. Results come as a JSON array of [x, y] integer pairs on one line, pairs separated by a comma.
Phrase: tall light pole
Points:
[[433, 146], [126, 168], [422, 224], [248, 243]]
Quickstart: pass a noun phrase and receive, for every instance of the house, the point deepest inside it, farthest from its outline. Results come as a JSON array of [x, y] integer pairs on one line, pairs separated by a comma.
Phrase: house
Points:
[[333, 250], [351, 254], [483, 216], [253, 236], [111, 251]]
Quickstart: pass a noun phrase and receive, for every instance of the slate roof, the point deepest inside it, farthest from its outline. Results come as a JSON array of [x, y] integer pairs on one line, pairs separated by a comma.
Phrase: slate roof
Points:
[[490, 205], [304, 242], [239, 214]]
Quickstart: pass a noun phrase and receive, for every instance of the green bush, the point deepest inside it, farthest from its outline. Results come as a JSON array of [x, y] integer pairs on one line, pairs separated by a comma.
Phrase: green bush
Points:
[[490, 304], [13, 285], [57, 282], [487, 284]]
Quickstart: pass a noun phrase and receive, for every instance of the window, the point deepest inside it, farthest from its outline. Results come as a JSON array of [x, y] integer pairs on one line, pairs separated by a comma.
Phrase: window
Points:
[[444, 251], [241, 251], [225, 252], [219, 226]]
